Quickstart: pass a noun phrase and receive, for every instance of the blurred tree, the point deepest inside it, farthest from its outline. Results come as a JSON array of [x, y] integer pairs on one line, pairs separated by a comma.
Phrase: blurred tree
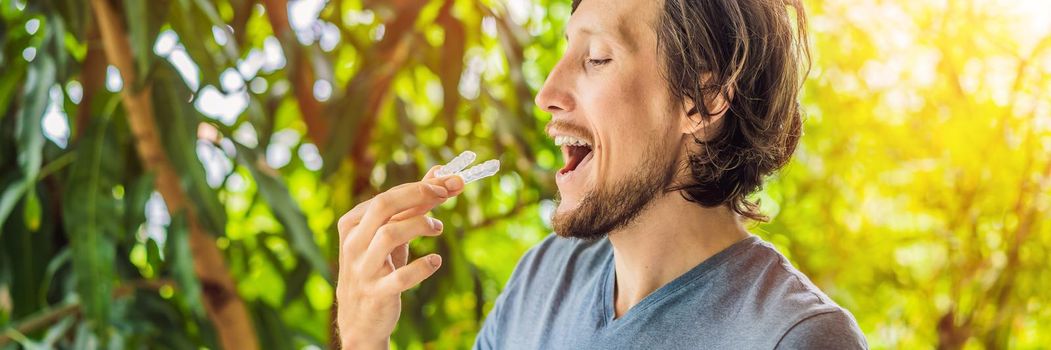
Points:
[[920, 196], [171, 207], [171, 170]]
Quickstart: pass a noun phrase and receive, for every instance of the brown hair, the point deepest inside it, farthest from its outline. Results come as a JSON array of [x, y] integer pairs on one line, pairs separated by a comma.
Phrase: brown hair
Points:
[[750, 53]]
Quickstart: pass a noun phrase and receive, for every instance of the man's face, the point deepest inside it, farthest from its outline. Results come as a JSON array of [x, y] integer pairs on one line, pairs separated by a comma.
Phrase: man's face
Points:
[[607, 92]]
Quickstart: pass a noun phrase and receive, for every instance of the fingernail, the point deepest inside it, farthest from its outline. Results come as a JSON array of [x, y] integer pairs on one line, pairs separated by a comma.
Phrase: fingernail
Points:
[[454, 183], [435, 224], [435, 260], [438, 190]]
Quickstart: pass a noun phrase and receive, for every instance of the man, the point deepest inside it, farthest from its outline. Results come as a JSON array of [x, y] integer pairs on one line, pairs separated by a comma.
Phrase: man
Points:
[[669, 114]]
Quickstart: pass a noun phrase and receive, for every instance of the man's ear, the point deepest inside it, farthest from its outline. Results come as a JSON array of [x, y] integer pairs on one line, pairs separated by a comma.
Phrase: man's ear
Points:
[[693, 121]]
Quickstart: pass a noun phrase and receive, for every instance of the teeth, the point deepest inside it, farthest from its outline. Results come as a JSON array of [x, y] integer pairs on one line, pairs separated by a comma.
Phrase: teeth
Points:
[[570, 141]]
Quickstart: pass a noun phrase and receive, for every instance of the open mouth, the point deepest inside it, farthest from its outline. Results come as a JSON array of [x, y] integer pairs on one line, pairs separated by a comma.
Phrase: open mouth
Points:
[[575, 150]]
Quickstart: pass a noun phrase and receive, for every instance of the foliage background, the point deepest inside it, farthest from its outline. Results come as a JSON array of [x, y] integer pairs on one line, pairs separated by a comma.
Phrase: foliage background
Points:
[[172, 170]]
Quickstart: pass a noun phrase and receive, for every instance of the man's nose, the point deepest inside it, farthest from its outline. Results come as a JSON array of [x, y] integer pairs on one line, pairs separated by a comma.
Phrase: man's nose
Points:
[[556, 95]]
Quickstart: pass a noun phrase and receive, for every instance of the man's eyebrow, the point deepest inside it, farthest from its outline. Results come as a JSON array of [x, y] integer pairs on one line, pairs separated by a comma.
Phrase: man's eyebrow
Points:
[[619, 36], [587, 30]]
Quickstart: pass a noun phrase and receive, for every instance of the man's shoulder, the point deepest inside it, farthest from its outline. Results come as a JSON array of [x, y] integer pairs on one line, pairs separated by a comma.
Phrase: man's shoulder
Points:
[[559, 258], [835, 329], [784, 297]]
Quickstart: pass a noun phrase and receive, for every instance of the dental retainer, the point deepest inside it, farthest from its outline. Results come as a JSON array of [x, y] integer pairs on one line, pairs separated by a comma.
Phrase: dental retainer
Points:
[[475, 173]]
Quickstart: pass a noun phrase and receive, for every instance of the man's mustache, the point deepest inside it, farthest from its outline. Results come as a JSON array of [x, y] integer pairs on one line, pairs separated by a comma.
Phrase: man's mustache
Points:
[[568, 128]]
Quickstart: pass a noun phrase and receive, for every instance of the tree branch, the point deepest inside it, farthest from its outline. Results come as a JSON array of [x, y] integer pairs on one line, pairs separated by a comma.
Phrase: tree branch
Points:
[[92, 72], [300, 71], [52, 315], [221, 301], [374, 80]]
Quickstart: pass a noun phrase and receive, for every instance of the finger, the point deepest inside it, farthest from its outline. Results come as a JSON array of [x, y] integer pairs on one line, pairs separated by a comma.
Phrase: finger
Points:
[[411, 274], [430, 173], [395, 200], [417, 198], [397, 233], [450, 182], [351, 219]]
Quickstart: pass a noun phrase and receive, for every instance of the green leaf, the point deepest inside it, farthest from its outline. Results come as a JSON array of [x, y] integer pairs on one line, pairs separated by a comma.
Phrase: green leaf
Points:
[[89, 212], [273, 333], [153, 256], [193, 33], [29, 135], [296, 280], [207, 9], [58, 260], [180, 261], [25, 257], [144, 22], [349, 113], [179, 120], [13, 192], [74, 13], [11, 79], [32, 211], [3, 40], [54, 46], [137, 16], [136, 194], [285, 208]]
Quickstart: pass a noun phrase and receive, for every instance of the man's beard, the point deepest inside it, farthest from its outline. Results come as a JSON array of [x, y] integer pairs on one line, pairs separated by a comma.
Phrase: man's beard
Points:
[[605, 210]]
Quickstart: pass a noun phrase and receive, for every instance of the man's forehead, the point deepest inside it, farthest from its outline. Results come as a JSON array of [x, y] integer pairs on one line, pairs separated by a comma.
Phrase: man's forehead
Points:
[[619, 20]]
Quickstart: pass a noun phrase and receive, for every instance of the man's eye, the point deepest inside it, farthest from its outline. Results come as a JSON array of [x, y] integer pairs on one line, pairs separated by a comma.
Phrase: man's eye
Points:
[[598, 62]]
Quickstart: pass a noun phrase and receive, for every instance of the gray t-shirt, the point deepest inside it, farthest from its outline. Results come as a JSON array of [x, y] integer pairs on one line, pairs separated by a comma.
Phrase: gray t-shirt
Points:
[[748, 296]]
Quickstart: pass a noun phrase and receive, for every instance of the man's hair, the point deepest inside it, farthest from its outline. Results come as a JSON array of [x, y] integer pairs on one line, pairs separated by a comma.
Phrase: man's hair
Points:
[[754, 55]]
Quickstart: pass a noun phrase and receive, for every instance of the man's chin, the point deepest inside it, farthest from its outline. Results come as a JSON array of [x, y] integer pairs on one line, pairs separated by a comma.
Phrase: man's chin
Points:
[[575, 219], [566, 206]]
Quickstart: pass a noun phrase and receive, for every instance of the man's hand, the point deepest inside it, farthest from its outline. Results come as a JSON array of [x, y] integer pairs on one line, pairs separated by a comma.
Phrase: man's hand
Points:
[[373, 259]]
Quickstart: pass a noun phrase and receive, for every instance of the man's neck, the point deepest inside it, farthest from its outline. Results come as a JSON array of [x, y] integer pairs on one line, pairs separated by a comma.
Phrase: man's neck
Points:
[[669, 238]]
